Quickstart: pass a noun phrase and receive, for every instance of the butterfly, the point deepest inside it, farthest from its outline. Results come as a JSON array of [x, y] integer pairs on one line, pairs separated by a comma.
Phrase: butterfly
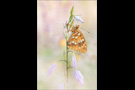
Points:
[[76, 40]]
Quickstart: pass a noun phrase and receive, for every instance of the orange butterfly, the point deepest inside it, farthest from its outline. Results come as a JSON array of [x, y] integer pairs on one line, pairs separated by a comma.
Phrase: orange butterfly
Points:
[[76, 40]]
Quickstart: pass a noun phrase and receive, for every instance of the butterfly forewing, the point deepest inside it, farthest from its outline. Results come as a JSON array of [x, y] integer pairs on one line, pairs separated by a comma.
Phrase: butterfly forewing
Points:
[[77, 42]]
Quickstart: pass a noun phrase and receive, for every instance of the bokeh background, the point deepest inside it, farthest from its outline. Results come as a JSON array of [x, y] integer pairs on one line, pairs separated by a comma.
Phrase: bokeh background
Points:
[[51, 15]]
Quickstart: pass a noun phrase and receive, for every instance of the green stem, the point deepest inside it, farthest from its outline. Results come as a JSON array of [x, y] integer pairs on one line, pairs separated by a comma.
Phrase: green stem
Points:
[[67, 59]]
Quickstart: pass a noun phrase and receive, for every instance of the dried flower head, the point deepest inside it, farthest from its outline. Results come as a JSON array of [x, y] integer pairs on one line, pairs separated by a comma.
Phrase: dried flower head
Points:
[[61, 86], [51, 69], [78, 19], [74, 61], [79, 77]]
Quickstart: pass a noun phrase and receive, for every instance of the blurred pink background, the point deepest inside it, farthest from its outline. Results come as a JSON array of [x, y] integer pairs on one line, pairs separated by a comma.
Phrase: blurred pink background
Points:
[[51, 15]]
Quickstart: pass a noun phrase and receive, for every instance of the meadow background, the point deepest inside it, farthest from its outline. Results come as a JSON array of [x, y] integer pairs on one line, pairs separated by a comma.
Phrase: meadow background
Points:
[[51, 15]]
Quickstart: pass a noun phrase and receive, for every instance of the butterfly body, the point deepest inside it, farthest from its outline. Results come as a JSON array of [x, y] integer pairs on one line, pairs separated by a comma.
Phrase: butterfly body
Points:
[[77, 41]]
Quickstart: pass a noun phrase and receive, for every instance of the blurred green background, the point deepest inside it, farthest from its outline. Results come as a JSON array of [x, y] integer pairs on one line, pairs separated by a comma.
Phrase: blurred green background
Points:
[[51, 15]]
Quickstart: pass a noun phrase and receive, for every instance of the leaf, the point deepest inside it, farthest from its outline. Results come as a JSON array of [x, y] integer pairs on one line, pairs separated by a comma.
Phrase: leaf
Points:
[[71, 12], [70, 19], [71, 24]]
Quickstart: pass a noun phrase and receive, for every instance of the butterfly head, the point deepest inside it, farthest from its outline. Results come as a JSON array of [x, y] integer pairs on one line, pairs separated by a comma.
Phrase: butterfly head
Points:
[[75, 28]]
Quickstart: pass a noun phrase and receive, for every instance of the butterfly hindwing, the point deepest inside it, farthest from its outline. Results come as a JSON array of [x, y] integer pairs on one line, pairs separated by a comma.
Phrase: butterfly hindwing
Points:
[[77, 42]]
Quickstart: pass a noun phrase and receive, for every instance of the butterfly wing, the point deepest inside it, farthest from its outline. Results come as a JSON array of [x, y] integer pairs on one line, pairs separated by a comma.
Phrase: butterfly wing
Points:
[[77, 42]]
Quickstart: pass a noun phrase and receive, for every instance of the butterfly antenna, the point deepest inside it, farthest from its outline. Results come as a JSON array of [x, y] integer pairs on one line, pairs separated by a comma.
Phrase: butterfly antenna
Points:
[[85, 30]]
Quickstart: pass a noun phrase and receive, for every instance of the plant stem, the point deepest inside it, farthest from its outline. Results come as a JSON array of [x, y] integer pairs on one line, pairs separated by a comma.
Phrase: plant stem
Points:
[[67, 59]]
